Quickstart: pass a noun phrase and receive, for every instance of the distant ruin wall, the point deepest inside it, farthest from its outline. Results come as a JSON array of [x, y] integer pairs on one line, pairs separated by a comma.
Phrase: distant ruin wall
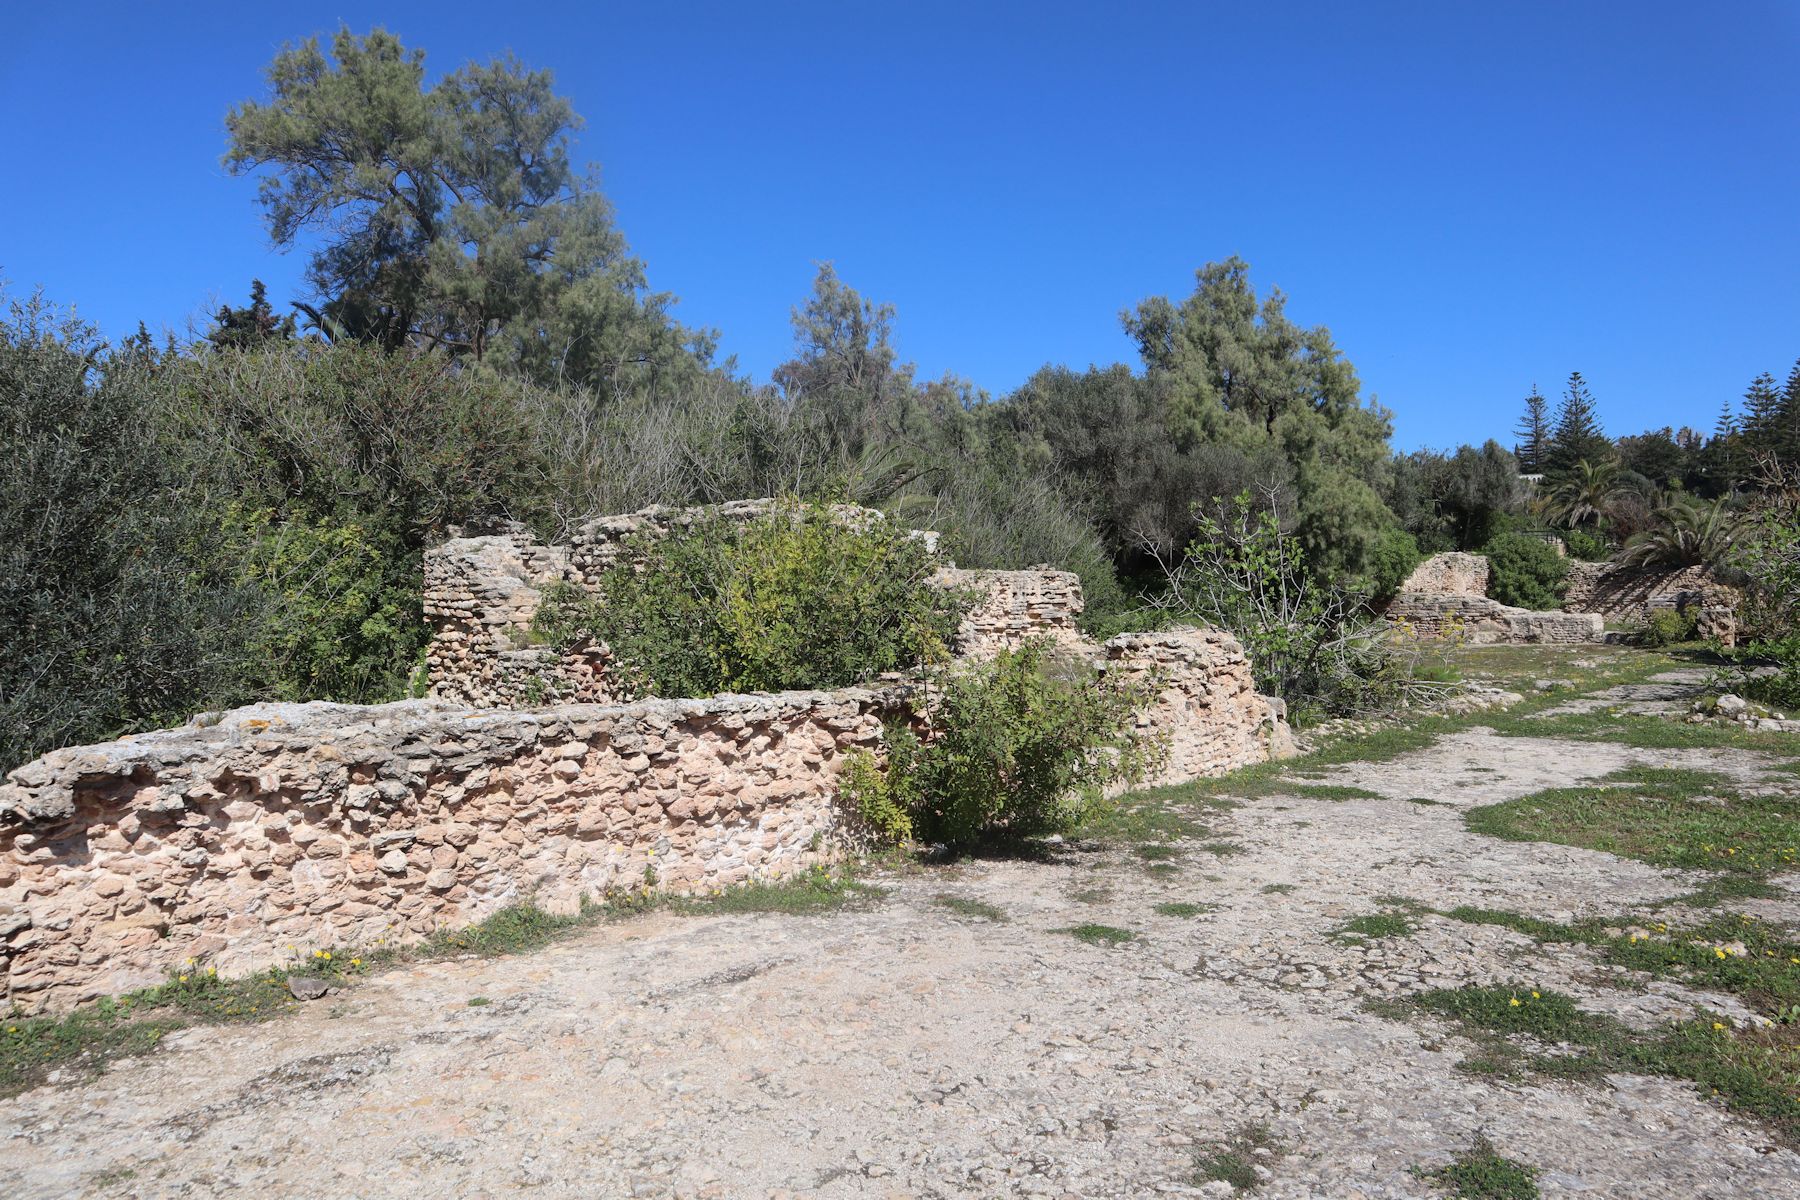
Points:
[[1206, 710], [1453, 574], [481, 594], [1630, 594], [1011, 606], [1481, 621], [318, 825]]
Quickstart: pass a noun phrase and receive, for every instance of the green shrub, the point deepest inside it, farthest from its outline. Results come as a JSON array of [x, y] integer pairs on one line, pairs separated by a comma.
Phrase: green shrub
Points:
[[1391, 560], [1668, 626], [1768, 558], [1527, 572], [1589, 547], [794, 599], [1017, 748], [868, 790]]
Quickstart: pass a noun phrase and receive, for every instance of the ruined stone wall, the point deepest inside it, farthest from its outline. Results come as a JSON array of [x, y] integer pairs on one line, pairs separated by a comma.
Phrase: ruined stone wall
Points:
[[1452, 574], [1630, 594], [318, 825], [1482, 621], [1206, 710], [1014, 605]]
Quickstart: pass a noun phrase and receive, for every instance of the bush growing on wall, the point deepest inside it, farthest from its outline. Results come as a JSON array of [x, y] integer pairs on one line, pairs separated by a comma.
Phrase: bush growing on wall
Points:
[[795, 599], [1527, 572], [1016, 748]]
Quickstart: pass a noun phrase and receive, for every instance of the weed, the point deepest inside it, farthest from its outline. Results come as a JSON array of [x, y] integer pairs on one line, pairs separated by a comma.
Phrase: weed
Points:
[[1156, 852], [1235, 1161], [1669, 818], [1331, 791], [1424, 801], [1101, 935], [1374, 925], [479, 1002], [1162, 870], [1091, 895], [965, 907], [1181, 908], [1479, 1173], [1278, 889], [1221, 849]]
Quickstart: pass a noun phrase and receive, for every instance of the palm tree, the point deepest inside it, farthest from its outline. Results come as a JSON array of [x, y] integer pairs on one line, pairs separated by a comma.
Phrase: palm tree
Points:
[[1585, 497], [1687, 534]]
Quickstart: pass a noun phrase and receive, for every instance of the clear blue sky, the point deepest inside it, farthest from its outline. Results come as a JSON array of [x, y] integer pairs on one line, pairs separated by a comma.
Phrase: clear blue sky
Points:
[[1472, 197]]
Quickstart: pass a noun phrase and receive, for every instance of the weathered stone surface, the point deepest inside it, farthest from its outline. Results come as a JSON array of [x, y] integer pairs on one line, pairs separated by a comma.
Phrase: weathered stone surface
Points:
[[1452, 574], [278, 843], [1207, 710], [1481, 621], [1631, 594], [1014, 605]]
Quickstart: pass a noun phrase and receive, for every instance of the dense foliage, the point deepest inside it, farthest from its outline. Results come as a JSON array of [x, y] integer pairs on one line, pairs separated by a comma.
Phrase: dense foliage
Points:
[[1016, 748], [799, 598], [1527, 571]]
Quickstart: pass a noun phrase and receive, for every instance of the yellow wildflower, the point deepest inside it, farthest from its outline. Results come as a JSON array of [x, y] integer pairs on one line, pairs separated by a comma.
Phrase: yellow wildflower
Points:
[[1514, 1002]]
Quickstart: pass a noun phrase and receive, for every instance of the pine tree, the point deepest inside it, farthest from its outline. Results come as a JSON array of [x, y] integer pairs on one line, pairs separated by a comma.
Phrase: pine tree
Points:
[[1722, 457], [1534, 433], [1576, 436], [1787, 419], [1762, 415]]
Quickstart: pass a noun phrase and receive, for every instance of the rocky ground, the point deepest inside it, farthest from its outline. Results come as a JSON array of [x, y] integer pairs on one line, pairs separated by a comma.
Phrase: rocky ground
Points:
[[952, 1038]]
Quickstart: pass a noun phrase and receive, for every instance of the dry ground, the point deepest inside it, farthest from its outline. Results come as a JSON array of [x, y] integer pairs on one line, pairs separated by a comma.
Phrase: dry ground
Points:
[[952, 1038]]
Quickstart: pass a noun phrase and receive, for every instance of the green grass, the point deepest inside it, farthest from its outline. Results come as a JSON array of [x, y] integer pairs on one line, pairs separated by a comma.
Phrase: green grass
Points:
[[1182, 908], [1162, 870], [479, 1002], [1157, 852], [1164, 814], [1278, 889], [1765, 975], [1330, 791], [1220, 849], [1519, 1029], [1234, 1161], [1424, 801], [1101, 935], [1375, 925], [965, 907], [1479, 1173], [1091, 895], [1670, 818], [1642, 731]]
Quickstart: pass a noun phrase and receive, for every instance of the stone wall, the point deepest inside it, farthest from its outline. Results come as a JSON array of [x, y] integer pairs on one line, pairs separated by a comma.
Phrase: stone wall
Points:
[[1207, 709], [1452, 574], [1014, 605], [318, 825], [1482, 621], [1446, 596], [1630, 594]]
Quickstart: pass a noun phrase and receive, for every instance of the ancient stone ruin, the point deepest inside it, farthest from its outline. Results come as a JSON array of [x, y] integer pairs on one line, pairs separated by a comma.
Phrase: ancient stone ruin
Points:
[[1446, 596], [235, 837]]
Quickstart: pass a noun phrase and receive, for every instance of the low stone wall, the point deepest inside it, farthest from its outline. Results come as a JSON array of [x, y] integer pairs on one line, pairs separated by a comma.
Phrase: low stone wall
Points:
[[1015, 605], [1206, 709], [317, 825], [1630, 594], [1483, 621]]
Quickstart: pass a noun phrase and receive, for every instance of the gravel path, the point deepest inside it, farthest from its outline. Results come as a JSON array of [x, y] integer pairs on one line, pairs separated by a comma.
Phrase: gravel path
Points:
[[903, 1049]]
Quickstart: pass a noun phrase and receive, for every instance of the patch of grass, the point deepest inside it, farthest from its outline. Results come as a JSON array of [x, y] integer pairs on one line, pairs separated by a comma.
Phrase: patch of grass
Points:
[[1278, 889], [1091, 895], [1375, 925], [1157, 852], [515, 929], [1101, 935], [1163, 814], [818, 890], [1182, 908], [1480, 1173], [965, 907], [1162, 870], [1691, 819], [1425, 801], [1642, 731], [1221, 849], [1520, 1028], [479, 1002], [1331, 791], [1734, 953], [1234, 1162]]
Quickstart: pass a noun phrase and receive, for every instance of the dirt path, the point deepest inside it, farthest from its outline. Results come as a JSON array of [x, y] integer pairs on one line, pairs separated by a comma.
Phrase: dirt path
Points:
[[907, 1049]]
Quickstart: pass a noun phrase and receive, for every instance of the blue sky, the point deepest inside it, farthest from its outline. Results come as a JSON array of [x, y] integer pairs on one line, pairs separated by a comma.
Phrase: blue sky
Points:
[[1473, 198]]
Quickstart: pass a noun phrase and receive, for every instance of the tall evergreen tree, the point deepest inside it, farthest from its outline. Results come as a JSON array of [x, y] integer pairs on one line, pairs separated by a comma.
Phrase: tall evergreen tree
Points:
[[1762, 415], [1787, 418], [1722, 458], [1533, 433], [1576, 436]]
